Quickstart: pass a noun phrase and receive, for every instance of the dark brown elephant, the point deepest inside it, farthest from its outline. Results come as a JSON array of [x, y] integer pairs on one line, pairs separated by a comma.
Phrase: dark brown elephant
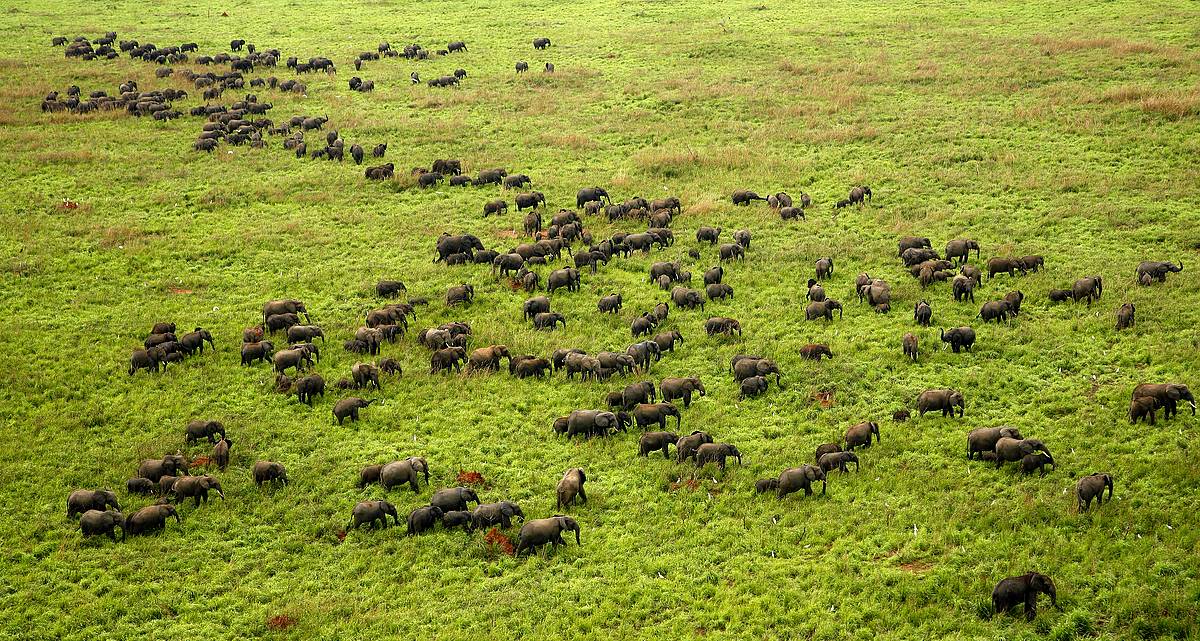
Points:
[[1023, 589], [1091, 287], [984, 439], [814, 352], [645, 414], [1009, 265], [675, 388], [150, 519], [860, 435], [653, 441], [81, 501], [1143, 409], [1168, 395], [372, 512], [1125, 316], [538, 532], [686, 446]]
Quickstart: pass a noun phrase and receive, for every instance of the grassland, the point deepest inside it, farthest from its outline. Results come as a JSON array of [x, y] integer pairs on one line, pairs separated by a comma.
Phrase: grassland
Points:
[[1054, 128]]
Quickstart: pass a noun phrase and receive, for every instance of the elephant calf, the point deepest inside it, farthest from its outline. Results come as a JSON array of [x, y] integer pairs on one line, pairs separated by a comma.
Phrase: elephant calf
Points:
[[539, 532], [653, 441], [1023, 589], [1036, 462], [458, 518], [1143, 408], [570, 487], [424, 519], [1092, 487]]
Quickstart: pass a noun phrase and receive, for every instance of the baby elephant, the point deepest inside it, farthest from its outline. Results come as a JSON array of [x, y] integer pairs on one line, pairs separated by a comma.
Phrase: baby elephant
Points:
[[1092, 486], [716, 453], [1036, 462], [458, 518], [1141, 408], [423, 519], [1025, 588], [571, 486], [95, 522]]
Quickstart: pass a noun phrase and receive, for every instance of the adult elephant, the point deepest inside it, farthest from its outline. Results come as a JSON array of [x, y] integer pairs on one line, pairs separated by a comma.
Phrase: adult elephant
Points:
[[1156, 270], [744, 197], [370, 512], [795, 479], [959, 249], [654, 441], [1011, 449], [722, 325], [637, 393], [912, 242], [530, 200], [645, 414], [592, 423], [538, 532], [286, 306], [589, 194], [1090, 287], [169, 465], [686, 446], [488, 358], [746, 367], [984, 439], [716, 453], [94, 522], [1023, 589], [198, 429], [570, 487], [1010, 266], [1168, 396], [81, 501], [941, 399], [454, 498], [502, 513], [400, 472], [959, 338], [150, 519], [860, 435], [675, 388], [1092, 486]]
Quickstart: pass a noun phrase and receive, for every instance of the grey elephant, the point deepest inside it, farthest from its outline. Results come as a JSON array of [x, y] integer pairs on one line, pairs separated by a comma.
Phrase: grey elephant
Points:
[[423, 519], [795, 479], [502, 513], [196, 487], [149, 519], [267, 471], [81, 501], [941, 399], [960, 249], [676, 388], [716, 453], [1168, 396], [837, 461], [860, 435], [348, 407], [653, 441], [370, 512], [1023, 589], [538, 532], [1092, 487], [154, 469], [1011, 449], [198, 429], [984, 439], [686, 446], [400, 472], [570, 487], [96, 522], [454, 498]]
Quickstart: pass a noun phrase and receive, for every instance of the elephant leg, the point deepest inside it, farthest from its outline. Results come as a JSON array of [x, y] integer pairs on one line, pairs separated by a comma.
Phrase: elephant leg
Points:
[[665, 450], [582, 496], [505, 521], [808, 490], [412, 482]]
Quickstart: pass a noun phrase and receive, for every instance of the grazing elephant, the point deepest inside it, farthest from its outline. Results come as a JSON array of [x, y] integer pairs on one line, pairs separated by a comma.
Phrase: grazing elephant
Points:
[[1036, 462], [1033, 263], [348, 407], [824, 268], [814, 352], [722, 325], [922, 313], [686, 446], [716, 453], [731, 251], [539, 532], [744, 197], [423, 519], [460, 294], [1125, 318], [714, 275], [1011, 266], [941, 399], [1023, 589], [154, 469], [289, 358], [687, 298], [287, 306], [860, 435], [588, 194], [565, 277], [744, 368], [795, 479], [266, 471], [196, 487], [1167, 394], [163, 328], [95, 522], [524, 368], [1141, 408], [610, 304], [837, 461], [502, 513], [1011, 449], [309, 387], [711, 235], [959, 338], [530, 200], [541, 43], [779, 200], [826, 448], [666, 340], [406, 471], [674, 388], [570, 487], [742, 237], [963, 288], [81, 501], [148, 359], [637, 393], [653, 441], [823, 309], [488, 358], [1014, 300], [194, 340], [304, 333], [454, 498], [645, 414], [369, 512], [139, 485], [753, 386], [590, 423], [910, 346], [458, 518], [149, 519], [984, 439], [912, 242], [199, 429], [996, 310], [220, 454], [915, 256], [1156, 270], [960, 249], [365, 375], [1092, 486], [1089, 288], [549, 320]]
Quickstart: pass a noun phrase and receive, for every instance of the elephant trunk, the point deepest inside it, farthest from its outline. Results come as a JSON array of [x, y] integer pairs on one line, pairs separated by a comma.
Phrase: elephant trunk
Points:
[[1180, 268], [823, 487], [577, 541]]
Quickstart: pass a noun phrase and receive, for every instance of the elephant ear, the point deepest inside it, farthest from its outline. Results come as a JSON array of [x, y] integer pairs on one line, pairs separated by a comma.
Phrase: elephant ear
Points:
[[1173, 393]]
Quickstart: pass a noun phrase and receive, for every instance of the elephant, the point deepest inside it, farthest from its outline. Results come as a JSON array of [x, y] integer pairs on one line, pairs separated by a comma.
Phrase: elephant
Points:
[[541, 43], [139, 485], [814, 352], [448, 245], [824, 268], [488, 358], [549, 320], [959, 338], [1033, 263], [731, 251], [220, 454], [649, 413], [460, 294], [960, 249], [711, 235], [1167, 394], [537, 367], [1025, 588], [922, 313], [746, 367], [666, 340], [163, 328], [642, 353], [996, 310], [714, 275], [458, 518], [795, 479], [753, 386], [515, 181], [357, 152], [429, 179], [286, 306], [423, 519], [289, 358], [912, 242], [686, 446], [199, 429], [447, 167], [348, 407], [1011, 266], [400, 472], [570, 487], [502, 513], [762, 486], [877, 293], [1035, 462], [1157, 270], [530, 200], [1142, 407], [742, 237], [963, 288], [823, 309], [860, 435], [716, 453], [653, 441], [722, 325], [309, 387], [81, 501], [589, 194], [94, 522], [196, 487], [1125, 317], [674, 388], [365, 375], [194, 340], [266, 471], [636, 393], [304, 333], [791, 213], [154, 469], [984, 439], [565, 277], [910, 346], [837, 461], [1014, 299], [148, 359], [370, 512], [456, 46], [1092, 486], [744, 197], [917, 255], [539, 532], [454, 498], [816, 292], [1089, 288], [1011, 449], [826, 448], [150, 519], [941, 399], [685, 298], [590, 423], [609, 304]]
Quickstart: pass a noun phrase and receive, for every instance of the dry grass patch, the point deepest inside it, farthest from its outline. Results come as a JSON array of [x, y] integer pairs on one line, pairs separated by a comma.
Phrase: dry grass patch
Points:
[[1173, 106], [1056, 45]]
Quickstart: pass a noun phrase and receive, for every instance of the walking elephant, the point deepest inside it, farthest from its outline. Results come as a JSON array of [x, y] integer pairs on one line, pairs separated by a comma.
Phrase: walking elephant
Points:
[[941, 399]]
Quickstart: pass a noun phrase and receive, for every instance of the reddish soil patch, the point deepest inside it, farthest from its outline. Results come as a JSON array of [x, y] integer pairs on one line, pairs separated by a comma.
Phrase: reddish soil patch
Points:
[[915, 567], [341, 535], [515, 285], [691, 484], [506, 233], [497, 539], [68, 204], [280, 622], [201, 461], [470, 478], [824, 398], [179, 290]]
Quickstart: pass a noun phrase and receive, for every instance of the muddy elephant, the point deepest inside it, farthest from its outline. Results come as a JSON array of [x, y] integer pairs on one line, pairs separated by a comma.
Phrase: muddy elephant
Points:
[[654, 441], [960, 249], [1023, 589], [716, 453], [524, 368], [348, 408], [1168, 396], [97, 522], [814, 352], [1011, 449], [196, 488], [267, 471], [941, 399], [984, 439], [837, 461], [198, 429], [1125, 316], [570, 487], [1092, 486], [1089, 288], [795, 479], [1157, 270], [371, 512], [81, 501], [149, 519], [686, 446], [860, 435], [491, 514]]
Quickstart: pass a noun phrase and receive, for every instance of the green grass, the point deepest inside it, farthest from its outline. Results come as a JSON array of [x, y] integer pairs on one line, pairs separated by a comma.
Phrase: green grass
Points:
[[1053, 128]]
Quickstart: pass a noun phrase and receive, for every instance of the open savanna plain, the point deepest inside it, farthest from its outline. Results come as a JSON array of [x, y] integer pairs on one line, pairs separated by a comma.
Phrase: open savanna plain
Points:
[[1069, 130]]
